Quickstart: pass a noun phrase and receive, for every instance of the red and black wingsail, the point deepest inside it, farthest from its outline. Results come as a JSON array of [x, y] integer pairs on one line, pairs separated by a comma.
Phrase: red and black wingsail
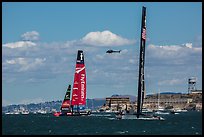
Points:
[[79, 85], [66, 102], [65, 107], [141, 83]]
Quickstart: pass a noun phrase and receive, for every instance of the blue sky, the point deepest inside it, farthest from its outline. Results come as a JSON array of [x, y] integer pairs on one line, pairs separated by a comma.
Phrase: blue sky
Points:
[[40, 42]]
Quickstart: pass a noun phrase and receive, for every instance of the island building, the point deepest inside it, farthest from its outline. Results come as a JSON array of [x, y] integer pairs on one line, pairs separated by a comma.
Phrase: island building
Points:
[[166, 100]]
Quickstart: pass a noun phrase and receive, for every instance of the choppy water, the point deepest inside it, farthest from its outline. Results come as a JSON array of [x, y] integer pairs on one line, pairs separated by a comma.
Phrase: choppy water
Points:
[[188, 123]]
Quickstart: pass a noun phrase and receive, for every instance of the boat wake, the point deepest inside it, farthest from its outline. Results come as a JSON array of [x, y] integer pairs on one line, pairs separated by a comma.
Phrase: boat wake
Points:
[[140, 118], [100, 115], [143, 118]]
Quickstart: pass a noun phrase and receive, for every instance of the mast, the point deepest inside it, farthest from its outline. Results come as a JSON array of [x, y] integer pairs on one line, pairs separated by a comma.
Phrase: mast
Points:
[[141, 82], [158, 103]]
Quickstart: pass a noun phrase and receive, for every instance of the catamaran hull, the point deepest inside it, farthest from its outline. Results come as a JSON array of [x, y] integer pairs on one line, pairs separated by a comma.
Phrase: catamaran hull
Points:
[[57, 114], [134, 116], [140, 118]]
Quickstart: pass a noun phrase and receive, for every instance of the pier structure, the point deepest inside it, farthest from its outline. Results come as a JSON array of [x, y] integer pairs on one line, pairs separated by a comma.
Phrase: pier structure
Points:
[[117, 103]]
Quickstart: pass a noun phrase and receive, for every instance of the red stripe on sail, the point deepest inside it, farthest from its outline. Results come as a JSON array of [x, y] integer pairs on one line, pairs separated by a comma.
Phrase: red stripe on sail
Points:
[[82, 87], [79, 87], [75, 90]]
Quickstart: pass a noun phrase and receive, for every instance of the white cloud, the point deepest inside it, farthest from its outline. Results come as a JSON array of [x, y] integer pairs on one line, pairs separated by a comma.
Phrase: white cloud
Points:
[[56, 58], [19, 44], [163, 51], [31, 64], [188, 45], [124, 51], [11, 61], [171, 82], [25, 64], [32, 36], [105, 38], [168, 65], [100, 56], [172, 51], [132, 61]]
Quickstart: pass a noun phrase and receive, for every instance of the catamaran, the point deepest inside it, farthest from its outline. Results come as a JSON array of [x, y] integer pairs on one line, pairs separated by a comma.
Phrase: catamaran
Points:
[[141, 81], [76, 106]]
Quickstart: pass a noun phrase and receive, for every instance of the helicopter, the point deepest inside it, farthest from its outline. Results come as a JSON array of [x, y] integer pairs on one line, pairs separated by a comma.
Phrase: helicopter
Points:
[[112, 51]]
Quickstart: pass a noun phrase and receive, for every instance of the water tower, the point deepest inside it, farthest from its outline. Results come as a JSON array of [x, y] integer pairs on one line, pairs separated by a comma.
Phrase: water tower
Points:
[[191, 84]]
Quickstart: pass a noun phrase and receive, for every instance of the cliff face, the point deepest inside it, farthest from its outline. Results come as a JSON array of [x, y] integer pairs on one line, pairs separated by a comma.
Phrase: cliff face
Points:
[[197, 98]]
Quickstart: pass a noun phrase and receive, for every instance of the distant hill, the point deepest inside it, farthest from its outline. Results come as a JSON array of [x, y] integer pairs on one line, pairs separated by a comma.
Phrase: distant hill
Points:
[[166, 93], [91, 103], [49, 105], [95, 103], [170, 93], [132, 98]]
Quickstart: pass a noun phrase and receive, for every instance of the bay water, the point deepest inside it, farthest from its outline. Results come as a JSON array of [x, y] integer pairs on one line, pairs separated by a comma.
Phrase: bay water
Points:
[[186, 123]]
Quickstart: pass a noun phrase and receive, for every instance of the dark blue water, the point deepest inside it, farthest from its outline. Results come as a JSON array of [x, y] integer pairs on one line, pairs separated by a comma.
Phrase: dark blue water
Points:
[[188, 123]]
